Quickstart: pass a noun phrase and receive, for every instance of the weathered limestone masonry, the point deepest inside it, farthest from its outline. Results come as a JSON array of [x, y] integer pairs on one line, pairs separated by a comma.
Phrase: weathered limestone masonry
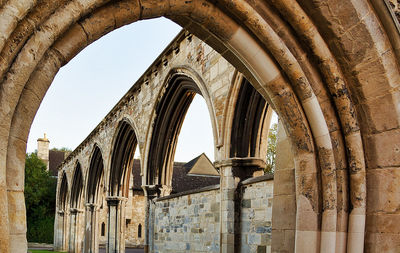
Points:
[[330, 69], [256, 214], [284, 226], [135, 213], [190, 222]]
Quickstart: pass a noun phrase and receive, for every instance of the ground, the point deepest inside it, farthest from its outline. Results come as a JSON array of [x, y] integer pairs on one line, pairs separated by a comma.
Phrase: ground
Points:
[[102, 250]]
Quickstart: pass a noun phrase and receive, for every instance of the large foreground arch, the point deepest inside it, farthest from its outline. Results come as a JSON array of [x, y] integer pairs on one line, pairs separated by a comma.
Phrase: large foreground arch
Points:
[[329, 69]]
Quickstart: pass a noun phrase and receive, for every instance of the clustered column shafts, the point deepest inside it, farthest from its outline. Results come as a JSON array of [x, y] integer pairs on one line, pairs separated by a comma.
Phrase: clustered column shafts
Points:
[[151, 192], [116, 231], [90, 245]]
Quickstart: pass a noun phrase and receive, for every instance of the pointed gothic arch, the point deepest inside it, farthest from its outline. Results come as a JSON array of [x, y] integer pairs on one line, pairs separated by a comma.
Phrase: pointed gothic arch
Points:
[[76, 211], [250, 123], [62, 220], [122, 157], [77, 187], [93, 197], [63, 193], [95, 176], [169, 114]]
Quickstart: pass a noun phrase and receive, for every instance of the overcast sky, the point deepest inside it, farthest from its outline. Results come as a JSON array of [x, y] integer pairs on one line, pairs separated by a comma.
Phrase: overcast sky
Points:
[[88, 87]]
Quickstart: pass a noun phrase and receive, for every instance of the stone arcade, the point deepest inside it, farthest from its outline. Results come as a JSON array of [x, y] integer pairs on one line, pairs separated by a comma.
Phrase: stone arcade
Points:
[[330, 69], [104, 161]]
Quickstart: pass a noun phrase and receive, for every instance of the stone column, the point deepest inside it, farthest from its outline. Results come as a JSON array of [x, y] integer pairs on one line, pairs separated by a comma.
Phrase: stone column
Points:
[[151, 192], [79, 231], [90, 240], [74, 240], [232, 172], [72, 230], [284, 207], [58, 231], [116, 222]]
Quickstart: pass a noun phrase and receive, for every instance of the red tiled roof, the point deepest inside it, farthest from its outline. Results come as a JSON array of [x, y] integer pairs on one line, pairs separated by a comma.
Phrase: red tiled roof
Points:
[[180, 180]]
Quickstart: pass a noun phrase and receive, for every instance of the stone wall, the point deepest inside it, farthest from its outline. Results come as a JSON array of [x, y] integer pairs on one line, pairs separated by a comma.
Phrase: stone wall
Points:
[[135, 213], [188, 223], [256, 214]]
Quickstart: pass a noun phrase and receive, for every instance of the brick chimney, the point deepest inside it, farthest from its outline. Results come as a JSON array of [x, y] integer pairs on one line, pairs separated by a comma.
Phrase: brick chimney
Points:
[[43, 150]]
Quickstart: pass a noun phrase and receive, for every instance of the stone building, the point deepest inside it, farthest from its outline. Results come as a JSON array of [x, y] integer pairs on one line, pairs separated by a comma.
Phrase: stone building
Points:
[[330, 70], [52, 158]]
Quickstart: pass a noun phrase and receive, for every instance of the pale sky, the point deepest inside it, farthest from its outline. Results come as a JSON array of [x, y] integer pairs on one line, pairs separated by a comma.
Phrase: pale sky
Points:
[[88, 87]]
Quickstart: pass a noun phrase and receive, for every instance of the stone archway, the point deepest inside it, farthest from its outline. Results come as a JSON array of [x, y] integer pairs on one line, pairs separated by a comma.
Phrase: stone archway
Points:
[[93, 198], [60, 236], [250, 123], [331, 102], [76, 210], [122, 159], [170, 112]]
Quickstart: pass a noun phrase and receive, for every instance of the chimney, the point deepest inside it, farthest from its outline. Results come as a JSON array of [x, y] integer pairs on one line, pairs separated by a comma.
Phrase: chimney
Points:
[[43, 150]]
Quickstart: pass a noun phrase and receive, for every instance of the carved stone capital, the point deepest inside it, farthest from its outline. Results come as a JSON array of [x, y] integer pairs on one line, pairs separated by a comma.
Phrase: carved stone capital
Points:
[[115, 200], [152, 191], [242, 168]]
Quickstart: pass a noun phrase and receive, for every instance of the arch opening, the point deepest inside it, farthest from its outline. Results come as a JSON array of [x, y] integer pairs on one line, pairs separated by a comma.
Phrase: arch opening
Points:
[[95, 177], [94, 188], [77, 187], [122, 160], [170, 113], [63, 193], [193, 166], [62, 218], [250, 124], [120, 183], [76, 210]]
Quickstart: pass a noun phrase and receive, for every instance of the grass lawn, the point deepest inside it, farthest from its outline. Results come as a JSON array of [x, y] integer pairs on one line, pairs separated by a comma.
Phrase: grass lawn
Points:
[[43, 251]]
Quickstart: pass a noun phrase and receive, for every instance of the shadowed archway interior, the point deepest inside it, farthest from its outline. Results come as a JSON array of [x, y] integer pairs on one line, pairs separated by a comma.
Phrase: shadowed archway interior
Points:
[[95, 176], [76, 209], [122, 160], [93, 198], [76, 187], [63, 192], [250, 124], [170, 113], [62, 203]]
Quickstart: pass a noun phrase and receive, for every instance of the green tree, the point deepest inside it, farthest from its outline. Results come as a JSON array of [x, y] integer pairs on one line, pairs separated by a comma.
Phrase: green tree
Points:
[[40, 195], [64, 149], [271, 149]]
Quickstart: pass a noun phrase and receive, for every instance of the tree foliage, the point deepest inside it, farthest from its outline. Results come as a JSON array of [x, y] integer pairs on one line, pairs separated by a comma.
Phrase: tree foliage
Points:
[[64, 149], [271, 149], [40, 196]]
